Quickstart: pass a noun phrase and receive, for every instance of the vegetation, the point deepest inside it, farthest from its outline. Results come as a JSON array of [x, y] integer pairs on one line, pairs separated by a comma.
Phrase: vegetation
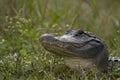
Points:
[[23, 21]]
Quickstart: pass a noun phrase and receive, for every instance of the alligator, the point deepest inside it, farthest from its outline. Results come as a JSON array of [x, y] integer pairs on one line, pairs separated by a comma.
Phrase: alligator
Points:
[[81, 50]]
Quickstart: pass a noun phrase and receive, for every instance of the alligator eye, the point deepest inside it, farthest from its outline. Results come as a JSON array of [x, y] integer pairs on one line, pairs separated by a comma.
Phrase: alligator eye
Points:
[[79, 32]]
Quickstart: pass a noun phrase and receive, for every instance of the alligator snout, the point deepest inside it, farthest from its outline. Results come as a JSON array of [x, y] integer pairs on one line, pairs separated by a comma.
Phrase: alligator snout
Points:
[[46, 37]]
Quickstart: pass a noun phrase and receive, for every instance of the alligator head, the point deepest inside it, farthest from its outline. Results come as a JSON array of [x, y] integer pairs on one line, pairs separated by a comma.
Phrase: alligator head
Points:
[[79, 48]]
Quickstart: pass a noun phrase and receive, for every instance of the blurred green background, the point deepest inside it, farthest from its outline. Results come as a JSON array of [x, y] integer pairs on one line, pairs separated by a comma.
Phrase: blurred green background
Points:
[[23, 21]]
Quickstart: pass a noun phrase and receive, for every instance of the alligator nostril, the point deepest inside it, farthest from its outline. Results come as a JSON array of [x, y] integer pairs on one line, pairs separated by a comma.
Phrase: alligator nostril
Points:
[[68, 31]]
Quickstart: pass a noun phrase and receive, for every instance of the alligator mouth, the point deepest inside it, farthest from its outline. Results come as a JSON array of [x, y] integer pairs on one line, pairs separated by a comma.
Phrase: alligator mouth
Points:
[[56, 46]]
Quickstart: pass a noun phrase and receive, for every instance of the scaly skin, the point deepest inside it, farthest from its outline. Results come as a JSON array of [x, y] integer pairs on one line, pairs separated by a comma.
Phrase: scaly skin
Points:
[[80, 49]]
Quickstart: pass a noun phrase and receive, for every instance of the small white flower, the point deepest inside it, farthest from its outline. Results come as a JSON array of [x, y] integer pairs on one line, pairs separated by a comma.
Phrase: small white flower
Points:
[[2, 41]]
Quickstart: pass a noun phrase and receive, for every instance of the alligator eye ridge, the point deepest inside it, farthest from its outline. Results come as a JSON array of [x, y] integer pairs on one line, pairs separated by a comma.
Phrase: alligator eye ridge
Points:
[[79, 32]]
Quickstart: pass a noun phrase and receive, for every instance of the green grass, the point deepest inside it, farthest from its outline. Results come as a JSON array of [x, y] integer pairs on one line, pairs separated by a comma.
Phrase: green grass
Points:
[[22, 22]]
